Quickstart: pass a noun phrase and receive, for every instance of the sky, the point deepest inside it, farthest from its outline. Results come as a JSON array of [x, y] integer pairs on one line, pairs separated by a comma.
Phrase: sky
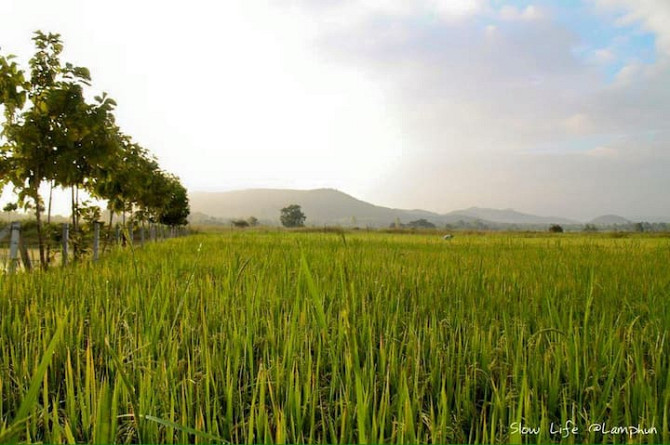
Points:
[[548, 107]]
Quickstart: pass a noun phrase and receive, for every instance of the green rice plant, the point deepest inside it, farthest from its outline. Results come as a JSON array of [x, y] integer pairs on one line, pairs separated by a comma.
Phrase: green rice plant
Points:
[[356, 337]]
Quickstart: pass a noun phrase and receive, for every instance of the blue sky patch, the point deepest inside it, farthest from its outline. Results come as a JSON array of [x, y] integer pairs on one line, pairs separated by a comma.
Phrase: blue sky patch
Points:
[[602, 42]]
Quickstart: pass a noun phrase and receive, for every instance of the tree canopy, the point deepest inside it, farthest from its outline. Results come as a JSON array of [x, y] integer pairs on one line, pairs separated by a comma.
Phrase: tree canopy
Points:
[[52, 134], [292, 216]]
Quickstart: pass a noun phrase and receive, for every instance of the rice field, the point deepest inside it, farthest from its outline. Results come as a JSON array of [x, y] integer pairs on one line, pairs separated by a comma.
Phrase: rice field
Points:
[[291, 337]]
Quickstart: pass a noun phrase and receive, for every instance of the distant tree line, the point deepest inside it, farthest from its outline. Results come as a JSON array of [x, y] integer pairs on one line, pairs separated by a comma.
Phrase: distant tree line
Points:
[[557, 228], [52, 135], [252, 221], [418, 224]]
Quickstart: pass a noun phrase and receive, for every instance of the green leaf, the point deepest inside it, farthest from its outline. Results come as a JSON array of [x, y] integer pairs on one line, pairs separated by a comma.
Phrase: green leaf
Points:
[[36, 382], [314, 294], [186, 429]]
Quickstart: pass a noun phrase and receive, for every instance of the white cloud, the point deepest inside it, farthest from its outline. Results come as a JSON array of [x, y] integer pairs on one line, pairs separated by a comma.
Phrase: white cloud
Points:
[[490, 32], [654, 15], [390, 7], [628, 74], [604, 56], [579, 123], [450, 9], [530, 12], [603, 152]]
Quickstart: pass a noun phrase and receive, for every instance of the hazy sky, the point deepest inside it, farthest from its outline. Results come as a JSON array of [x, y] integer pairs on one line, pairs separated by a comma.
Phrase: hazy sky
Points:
[[558, 108]]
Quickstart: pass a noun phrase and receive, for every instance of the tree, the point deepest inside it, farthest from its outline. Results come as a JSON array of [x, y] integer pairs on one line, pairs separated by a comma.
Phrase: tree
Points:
[[12, 96], [292, 216], [555, 228], [240, 223], [421, 224], [125, 179], [253, 221], [87, 146], [40, 139], [31, 135], [641, 227], [590, 228], [52, 135], [9, 208], [175, 209]]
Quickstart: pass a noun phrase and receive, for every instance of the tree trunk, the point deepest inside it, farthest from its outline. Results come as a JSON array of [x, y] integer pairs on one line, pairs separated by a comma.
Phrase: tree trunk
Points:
[[109, 228], [76, 206], [38, 220], [73, 231], [51, 195], [40, 239], [123, 226], [72, 205]]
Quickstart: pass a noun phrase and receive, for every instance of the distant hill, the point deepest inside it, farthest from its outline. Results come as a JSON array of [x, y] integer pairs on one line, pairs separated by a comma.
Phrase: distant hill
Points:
[[321, 206], [610, 220], [509, 216], [332, 207]]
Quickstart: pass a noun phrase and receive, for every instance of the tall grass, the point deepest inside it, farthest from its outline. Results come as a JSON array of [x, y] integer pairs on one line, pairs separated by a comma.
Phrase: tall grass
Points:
[[342, 338]]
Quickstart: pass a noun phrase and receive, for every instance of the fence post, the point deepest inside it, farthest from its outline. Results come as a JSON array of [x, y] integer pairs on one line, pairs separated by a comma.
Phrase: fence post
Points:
[[152, 229], [96, 240], [131, 236], [15, 233], [66, 236], [25, 258], [142, 235], [118, 234]]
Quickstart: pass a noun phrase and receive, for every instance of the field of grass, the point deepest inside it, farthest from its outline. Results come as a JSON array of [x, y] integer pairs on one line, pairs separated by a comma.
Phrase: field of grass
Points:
[[329, 337]]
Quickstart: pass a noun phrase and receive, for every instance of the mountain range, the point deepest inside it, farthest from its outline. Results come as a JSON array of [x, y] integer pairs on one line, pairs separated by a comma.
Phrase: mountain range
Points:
[[333, 207]]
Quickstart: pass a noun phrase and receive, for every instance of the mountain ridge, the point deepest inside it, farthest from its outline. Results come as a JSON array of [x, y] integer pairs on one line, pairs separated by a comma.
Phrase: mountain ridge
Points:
[[610, 220], [328, 206]]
